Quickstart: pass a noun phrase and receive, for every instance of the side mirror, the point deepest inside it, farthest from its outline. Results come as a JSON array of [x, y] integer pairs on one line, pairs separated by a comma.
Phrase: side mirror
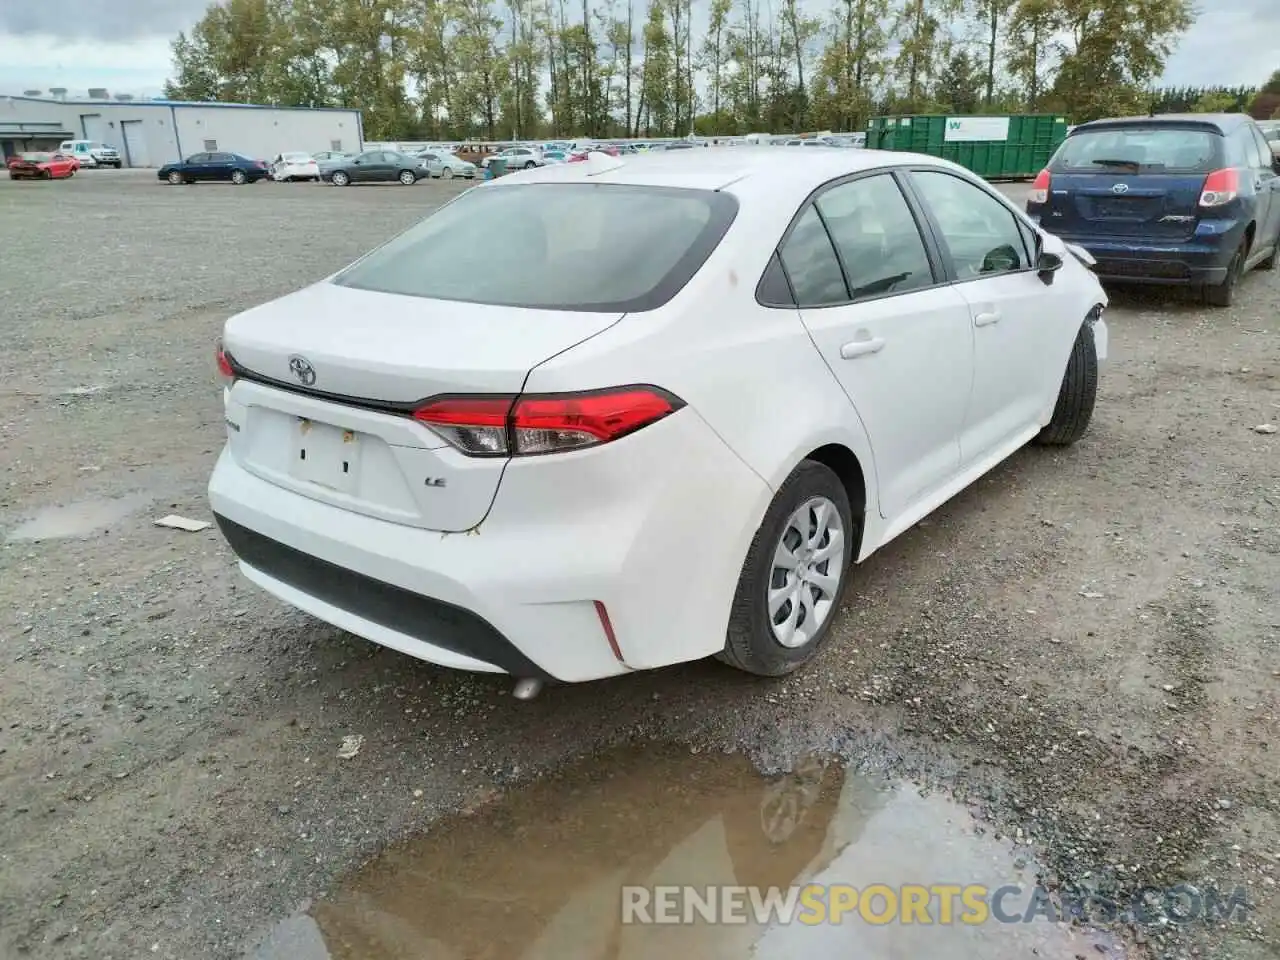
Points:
[[1047, 264]]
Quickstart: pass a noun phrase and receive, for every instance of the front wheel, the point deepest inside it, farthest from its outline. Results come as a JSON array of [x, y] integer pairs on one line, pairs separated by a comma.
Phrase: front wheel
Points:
[[1076, 396], [339, 179], [238, 177], [446, 173], [175, 178], [408, 178], [530, 165], [794, 575]]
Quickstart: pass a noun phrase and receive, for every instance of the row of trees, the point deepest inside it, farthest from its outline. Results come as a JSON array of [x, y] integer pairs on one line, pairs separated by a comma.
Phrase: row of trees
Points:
[[429, 69]]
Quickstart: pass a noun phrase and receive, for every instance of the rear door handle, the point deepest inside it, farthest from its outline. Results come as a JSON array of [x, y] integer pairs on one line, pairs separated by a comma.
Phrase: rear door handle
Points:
[[986, 319], [861, 348]]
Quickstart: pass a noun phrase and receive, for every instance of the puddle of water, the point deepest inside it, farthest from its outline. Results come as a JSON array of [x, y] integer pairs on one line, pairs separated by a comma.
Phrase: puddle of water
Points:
[[539, 874], [77, 519]]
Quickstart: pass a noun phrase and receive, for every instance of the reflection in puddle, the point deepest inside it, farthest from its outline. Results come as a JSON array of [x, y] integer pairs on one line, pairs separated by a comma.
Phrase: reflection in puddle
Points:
[[539, 875], [77, 519]]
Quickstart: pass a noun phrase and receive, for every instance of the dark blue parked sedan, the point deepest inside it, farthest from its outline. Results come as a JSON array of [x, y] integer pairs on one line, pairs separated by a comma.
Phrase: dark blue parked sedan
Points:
[[204, 167], [1191, 200]]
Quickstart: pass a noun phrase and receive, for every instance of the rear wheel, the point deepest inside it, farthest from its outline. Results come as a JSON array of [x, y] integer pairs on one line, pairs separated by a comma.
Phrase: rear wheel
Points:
[[1076, 396], [1224, 293], [530, 165], [1270, 262], [408, 178], [794, 575], [446, 173], [238, 177]]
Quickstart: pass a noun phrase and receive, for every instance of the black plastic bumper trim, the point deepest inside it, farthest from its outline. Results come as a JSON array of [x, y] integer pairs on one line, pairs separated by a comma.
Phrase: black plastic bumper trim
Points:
[[423, 618]]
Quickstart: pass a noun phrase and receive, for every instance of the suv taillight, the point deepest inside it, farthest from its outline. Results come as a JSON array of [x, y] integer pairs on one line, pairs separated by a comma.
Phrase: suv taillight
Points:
[[488, 426], [1220, 187], [1040, 188]]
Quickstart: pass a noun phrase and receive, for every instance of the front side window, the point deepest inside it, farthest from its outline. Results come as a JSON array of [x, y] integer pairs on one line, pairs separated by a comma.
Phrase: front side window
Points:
[[1265, 154], [595, 266], [979, 231], [811, 263], [1248, 148], [876, 236]]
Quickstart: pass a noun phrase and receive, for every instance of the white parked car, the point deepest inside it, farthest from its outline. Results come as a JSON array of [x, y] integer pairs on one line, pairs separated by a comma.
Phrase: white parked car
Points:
[[634, 447], [288, 167], [91, 153]]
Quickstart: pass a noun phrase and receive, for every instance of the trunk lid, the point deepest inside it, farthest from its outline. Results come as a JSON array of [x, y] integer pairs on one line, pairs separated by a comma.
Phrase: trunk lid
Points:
[[334, 373], [1118, 204]]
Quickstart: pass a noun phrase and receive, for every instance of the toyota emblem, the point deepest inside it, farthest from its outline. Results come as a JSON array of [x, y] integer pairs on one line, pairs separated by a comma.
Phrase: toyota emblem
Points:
[[1120, 188], [301, 368]]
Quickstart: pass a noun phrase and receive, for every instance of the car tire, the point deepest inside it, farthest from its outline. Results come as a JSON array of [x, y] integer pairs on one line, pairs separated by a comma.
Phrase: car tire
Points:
[[408, 178], [1076, 396], [239, 177], [1224, 294], [530, 165], [446, 173], [175, 178], [118, 165], [755, 639], [1270, 262], [339, 179]]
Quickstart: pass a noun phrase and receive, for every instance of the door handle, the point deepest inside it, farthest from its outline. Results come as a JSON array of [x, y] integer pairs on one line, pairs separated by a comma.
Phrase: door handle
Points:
[[861, 348], [986, 319]]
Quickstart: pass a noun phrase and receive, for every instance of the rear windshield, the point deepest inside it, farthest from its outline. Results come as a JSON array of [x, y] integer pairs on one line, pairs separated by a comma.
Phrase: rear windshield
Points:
[[559, 246], [1147, 149]]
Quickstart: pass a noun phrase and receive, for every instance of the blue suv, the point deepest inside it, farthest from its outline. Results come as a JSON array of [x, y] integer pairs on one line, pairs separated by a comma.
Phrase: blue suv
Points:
[[1191, 200]]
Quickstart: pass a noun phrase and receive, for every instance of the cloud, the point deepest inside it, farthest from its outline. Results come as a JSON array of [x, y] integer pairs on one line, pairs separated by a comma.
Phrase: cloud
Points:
[[39, 62], [116, 21], [1228, 46]]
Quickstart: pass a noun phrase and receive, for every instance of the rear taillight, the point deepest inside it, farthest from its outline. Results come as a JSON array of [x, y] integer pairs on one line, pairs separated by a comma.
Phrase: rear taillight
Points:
[[226, 371], [1220, 187], [483, 426], [1040, 188]]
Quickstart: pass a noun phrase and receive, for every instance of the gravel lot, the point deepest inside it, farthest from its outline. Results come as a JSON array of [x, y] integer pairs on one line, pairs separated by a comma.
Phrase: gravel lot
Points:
[[1084, 646]]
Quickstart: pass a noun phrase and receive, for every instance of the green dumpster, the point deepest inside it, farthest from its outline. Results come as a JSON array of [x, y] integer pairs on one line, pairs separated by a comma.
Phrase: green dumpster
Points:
[[994, 147], [496, 167]]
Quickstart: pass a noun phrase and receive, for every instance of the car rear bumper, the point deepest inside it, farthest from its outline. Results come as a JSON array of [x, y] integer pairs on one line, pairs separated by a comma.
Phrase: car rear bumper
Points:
[[654, 530], [1190, 263]]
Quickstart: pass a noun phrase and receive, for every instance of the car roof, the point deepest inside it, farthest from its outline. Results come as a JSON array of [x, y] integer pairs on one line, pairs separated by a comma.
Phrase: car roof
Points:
[[748, 168], [1222, 122]]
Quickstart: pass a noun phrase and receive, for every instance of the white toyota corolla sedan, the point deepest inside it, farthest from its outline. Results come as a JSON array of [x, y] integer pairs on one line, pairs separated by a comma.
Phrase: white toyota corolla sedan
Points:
[[601, 417]]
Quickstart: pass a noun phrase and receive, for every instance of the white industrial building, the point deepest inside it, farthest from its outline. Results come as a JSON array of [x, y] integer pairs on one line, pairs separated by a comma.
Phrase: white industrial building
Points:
[[150, 133]]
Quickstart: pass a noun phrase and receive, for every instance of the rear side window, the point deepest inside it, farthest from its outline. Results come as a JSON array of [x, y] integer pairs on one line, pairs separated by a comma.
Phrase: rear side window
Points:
[[811, 264], [629, 247], [1147, 149]]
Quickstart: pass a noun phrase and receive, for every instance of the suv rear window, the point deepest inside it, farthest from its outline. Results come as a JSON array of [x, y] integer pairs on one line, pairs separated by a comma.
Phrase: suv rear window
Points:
[[558, 246], [1149, 149]]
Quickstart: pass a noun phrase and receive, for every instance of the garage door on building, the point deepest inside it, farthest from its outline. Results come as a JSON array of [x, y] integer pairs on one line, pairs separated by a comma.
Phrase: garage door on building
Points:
[[135, 144]]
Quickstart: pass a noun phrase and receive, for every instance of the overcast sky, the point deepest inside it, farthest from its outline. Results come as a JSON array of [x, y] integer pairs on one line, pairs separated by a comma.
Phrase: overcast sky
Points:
[[123, 45]]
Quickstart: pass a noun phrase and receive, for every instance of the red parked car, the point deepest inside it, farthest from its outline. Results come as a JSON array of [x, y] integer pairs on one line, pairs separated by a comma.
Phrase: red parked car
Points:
[[579, 155], [42, 166]]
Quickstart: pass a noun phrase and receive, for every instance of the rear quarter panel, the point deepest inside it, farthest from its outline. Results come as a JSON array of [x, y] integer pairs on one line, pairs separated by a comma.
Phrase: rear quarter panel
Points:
[[751, 372]]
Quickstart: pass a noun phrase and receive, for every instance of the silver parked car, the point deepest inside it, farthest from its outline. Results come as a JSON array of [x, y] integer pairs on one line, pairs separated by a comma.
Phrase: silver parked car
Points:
[[446, 165], [519, 158]]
